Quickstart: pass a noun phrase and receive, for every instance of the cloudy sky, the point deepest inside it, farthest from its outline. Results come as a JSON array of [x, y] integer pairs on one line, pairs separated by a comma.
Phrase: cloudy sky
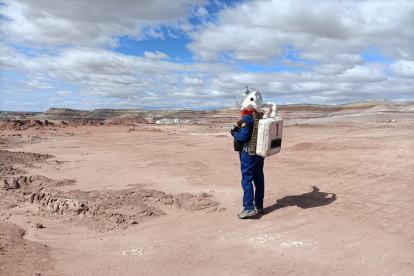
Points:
[[197, 54]]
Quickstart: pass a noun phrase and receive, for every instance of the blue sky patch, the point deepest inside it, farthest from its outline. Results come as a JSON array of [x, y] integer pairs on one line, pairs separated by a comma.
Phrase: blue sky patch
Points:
[[24, 50], [14, 74], [372, 54], [33, 52], [291, 53], [175, 48]]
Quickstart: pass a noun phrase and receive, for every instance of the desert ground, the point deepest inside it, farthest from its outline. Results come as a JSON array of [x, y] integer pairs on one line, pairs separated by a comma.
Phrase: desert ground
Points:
[[114, 196]]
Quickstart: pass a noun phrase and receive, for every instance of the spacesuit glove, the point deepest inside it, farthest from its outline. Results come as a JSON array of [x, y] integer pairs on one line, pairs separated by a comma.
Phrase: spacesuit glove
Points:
[[234, 129]]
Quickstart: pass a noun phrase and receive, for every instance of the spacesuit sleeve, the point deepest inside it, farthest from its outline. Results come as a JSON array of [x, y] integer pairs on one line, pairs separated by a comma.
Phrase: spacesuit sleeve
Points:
[[246, 126]]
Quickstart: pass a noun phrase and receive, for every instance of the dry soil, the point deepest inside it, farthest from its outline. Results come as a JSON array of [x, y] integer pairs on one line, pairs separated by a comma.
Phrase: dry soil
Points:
[[163, 200]]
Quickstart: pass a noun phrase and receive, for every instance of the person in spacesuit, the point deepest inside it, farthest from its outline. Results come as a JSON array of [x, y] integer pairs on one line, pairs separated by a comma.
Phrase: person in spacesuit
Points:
[[249, 102]]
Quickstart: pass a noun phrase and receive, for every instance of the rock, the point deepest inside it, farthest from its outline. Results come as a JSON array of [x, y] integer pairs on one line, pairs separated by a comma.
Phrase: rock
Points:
[[184, 196], [132, 252], [40, 178], [36, 199], [14, 184], [4, 185], [39, 226], [22, 181], [211, 210], [202, 195], [393, 121]]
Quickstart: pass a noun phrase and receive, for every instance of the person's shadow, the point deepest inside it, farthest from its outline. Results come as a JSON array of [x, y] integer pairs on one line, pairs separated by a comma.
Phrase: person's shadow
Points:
[[305, 201]]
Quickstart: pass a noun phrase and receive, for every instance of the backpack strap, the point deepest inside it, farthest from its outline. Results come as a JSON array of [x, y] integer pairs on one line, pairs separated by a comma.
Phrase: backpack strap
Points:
[[253, 141]]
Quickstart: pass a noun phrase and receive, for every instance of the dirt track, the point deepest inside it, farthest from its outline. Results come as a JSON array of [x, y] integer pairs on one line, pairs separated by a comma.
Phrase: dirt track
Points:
[[338, 201]]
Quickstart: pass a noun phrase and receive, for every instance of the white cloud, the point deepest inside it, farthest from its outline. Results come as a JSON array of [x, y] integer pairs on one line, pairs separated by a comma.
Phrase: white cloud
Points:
[[192, 81], [37, 84], [403, 68], [323, 30], [64, 93], [151, 32], [331, 34], [364, 73], [156, 55], [332, 68], [92, 22], [202, 12]]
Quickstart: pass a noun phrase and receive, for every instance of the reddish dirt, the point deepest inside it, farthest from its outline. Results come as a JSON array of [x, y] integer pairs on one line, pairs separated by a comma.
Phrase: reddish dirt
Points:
[[163, 200], [14, 124], [20, 256]]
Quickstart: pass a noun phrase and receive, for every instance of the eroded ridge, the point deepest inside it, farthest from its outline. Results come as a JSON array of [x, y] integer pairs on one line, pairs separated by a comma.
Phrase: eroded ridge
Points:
[[99, 210]]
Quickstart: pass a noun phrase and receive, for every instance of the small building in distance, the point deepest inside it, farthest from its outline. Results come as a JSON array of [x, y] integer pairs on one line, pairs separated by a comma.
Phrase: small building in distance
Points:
[[165, 121]]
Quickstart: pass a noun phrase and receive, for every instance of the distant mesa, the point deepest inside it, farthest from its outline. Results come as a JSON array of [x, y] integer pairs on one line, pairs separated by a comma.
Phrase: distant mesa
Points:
[[369, 110], [126, 119], [137, 116]]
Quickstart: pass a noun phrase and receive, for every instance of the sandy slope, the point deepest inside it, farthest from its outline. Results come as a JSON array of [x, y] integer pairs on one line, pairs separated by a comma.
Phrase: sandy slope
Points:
[[339, 201]]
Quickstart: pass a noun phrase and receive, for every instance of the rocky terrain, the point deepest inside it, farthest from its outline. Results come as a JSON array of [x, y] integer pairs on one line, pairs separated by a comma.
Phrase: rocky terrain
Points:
[[127, 207], [294, 111], [114, 193]]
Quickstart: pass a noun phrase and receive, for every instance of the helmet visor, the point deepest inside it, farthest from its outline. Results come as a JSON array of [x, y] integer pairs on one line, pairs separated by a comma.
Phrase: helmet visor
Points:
[[242, 96]]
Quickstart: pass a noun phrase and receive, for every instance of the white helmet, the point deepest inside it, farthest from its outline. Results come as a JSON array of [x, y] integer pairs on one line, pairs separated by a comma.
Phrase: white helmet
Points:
[[247, 99]]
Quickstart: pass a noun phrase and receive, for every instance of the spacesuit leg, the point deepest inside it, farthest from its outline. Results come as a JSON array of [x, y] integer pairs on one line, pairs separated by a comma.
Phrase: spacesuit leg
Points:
[[247, 170], [258, 178]]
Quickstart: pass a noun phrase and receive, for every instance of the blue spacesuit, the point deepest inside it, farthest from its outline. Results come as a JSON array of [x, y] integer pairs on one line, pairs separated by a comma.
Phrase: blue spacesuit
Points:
[[251, 168]]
